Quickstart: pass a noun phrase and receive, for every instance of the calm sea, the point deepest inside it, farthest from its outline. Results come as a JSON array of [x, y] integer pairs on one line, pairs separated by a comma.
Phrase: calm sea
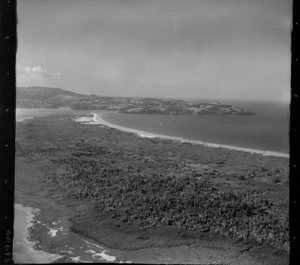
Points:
[[39, 112], [267, 130]]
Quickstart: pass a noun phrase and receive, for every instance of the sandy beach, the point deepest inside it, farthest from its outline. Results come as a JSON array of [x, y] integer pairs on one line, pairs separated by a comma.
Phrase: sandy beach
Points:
[[98, 119], [73, 224], [149, 132]]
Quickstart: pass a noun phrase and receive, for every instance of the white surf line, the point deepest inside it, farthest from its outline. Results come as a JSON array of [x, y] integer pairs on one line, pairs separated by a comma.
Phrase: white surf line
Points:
[[97, 118], [24, 251]]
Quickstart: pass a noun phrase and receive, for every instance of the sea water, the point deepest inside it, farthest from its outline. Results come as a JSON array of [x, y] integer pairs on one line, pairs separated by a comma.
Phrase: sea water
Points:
[[24, 113], [268, 130], [23, 248]]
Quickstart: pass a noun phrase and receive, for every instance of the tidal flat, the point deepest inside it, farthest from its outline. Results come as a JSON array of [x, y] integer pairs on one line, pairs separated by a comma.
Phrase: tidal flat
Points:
[[151, 200]]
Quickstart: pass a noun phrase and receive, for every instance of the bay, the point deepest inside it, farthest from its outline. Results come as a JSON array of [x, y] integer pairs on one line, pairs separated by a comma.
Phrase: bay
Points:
[[265, 131]]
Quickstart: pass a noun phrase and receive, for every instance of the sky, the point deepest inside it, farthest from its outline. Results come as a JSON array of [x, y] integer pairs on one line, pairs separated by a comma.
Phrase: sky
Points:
[[201, 49]]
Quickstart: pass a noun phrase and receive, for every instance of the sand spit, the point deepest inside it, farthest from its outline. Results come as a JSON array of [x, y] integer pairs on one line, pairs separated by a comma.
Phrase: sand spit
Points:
[[96, 119], [42, 183]]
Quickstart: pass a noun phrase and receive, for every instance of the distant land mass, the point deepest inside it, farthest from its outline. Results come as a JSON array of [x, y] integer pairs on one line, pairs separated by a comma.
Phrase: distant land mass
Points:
[[47, 97]]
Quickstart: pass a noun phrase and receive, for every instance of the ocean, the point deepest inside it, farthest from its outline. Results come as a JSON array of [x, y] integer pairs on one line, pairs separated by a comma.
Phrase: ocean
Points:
[[39, 112], [268, 130], [23, 247]]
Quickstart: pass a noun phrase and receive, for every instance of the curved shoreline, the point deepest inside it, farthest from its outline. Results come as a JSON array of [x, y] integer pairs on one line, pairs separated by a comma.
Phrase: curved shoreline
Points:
[[80, 219], [24, 242], [98, 119]]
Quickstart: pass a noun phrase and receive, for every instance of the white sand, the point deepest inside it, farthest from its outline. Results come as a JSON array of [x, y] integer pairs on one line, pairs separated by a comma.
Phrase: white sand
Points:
[[144, 134]]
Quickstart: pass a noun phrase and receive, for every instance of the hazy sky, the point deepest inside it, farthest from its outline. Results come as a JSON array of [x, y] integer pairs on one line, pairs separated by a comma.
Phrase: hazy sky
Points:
[[231, 49]]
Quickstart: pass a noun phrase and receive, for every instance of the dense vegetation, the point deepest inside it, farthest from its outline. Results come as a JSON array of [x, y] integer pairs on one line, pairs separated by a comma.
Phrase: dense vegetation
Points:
[[154, 182], [186, 201]]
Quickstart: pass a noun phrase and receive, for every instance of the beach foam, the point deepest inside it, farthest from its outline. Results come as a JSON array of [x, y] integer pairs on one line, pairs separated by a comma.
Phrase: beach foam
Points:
[[97, 119], [24, 251]]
